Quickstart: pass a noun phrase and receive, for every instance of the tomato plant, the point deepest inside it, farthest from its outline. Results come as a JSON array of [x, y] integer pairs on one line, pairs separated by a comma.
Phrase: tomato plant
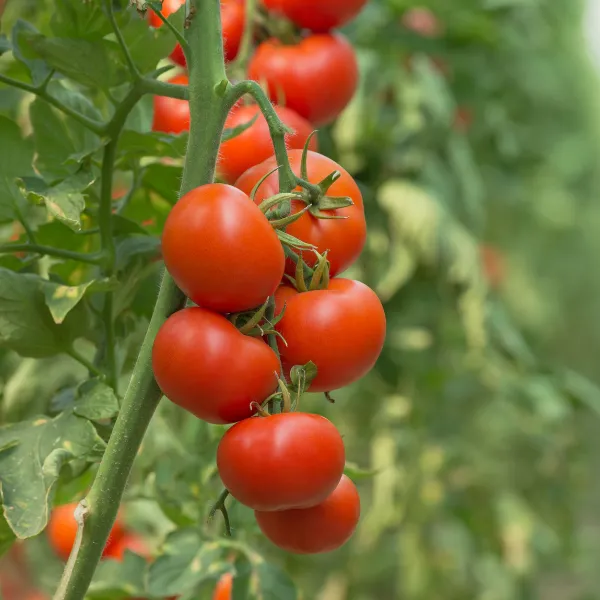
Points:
[[171, 115], [316, 15], [204, 364], [342, 237], [221, 250], [316, 77], [340, 329], [254, 144], [289, 460], [224, 588], [321, 528]]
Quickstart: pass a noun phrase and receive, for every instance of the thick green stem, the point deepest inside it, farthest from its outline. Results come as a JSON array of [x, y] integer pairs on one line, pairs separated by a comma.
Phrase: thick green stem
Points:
[[51, 251], [208, 111]]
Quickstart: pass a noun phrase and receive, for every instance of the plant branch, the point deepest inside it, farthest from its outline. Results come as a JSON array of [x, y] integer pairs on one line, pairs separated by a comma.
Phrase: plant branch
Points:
[[93, 259], [163, 88], [180, 39], [135, 73], [207, 111], [85, 362], [96, 126], [219, 505]]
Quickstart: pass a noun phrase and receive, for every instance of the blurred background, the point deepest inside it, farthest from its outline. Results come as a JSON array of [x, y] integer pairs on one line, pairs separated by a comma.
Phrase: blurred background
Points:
[[475, 137]]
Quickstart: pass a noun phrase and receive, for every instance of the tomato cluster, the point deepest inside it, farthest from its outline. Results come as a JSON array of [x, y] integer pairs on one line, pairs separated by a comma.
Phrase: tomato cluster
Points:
[[268, 319]]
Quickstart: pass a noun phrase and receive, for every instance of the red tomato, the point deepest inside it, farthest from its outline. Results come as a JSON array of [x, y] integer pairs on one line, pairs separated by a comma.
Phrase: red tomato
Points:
[[130, 541], [288, 460], [221, 250], [204, 364], [62, 529], [254, 145], [317, 15], [341, 329], [317, 76], [322, 528], [170, 114], [232, 23], [343, 238], [224, 587]]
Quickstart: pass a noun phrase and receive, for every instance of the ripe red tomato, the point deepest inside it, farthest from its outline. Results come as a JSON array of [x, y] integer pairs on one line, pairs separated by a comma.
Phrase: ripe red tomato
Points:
[[170, 114], [232, 23], [343, 238], [204, 364], [224, 587], [317, 76], [62, 529], [130, 541], [221, 250], [321, 528], [317, 15], [340, 329], [254, 145], [288, 460]]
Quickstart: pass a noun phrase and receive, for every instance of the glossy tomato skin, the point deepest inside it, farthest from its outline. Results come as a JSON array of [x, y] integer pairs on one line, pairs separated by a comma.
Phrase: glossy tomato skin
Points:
[[340, 329], [62, 529], [221, 250], [170, 114], [255, 145], [287, 460], [232, 22], [224, 587], [321, 528], [317, 77], [204, 364], [316, 15], [345, 238]]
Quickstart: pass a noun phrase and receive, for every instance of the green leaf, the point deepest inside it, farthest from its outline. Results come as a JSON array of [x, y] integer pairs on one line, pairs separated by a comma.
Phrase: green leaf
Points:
[[26, 324], [32, 454], [145, 247], [122, 226], [5, 45], [16, 153], [230, 133], [154, 143], [187, 562], [269, 582], [357, 473], [38, 69], [93, 63], [7, 537], [62, 299], [116, 580], [164, 180], [302, 375], [83, 20], [95, 401], [66, 201]]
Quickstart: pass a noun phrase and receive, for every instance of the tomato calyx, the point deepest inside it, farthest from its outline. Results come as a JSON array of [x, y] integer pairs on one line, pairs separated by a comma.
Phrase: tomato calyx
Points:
[[255, 323], [308, 280]]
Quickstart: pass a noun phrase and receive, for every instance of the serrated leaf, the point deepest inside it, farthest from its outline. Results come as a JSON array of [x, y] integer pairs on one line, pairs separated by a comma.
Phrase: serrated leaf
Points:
[[116, 580], [32, 454], [65, 201], [16, 152], [122, 226], [187, 561], [5, 45], [232, 132], [26, 324], [153, 143], [38, 68], [95, 401]]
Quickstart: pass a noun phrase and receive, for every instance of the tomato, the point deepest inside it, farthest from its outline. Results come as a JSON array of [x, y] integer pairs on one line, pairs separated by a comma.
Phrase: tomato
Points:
[[62, 529], [317, 15], [232, 22], [254, 145], [130, 541], [221, 250], [171, 115], [204, 364], [288, 460], [340, 329], [342, 238], [317, 76], [321, 528], [224, 587]]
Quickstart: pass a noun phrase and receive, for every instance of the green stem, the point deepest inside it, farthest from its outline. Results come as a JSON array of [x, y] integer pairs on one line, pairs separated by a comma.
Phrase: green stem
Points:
[[180, 39], [163, 88], [124, 49], [85, 362], [93, 259], [208, 111], [91, 124]]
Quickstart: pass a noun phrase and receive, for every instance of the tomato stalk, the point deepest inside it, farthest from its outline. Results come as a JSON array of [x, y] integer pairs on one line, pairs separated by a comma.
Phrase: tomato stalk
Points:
[[208, 109]]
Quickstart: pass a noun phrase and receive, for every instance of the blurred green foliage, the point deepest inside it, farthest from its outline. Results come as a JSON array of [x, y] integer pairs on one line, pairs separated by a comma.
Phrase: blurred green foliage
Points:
[[473, 439]]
